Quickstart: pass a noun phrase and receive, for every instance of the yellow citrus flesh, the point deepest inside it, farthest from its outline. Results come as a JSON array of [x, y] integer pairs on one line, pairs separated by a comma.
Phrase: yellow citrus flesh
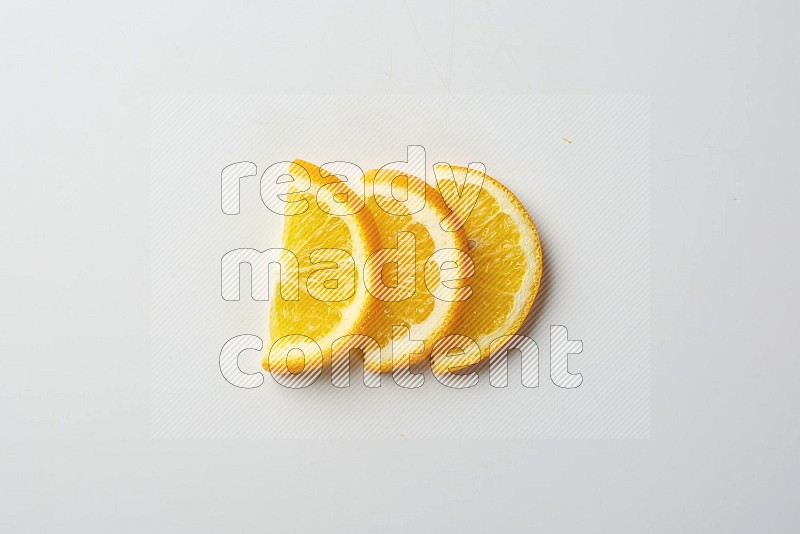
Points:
[[426, 317], [383, 315], [318, 230], [506, 251], [317, 314]]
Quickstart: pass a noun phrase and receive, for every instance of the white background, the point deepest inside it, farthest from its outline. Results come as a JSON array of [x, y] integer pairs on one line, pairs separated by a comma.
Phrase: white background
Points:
[[74, 389]]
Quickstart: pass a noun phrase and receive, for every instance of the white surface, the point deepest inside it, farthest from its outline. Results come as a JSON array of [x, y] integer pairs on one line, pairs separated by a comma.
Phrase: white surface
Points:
[[77, 81]]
